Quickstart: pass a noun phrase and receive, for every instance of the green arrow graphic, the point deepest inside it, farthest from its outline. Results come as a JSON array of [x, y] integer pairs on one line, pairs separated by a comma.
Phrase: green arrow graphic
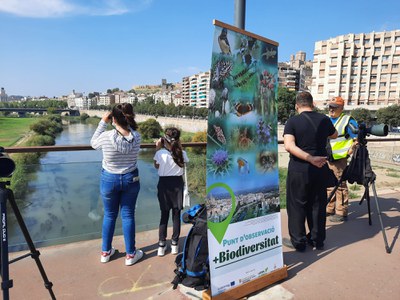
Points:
[[219, 229]]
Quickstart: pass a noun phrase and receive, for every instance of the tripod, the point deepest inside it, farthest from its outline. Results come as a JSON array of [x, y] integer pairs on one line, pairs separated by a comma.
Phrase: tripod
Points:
[[6, 284], [359, 170]]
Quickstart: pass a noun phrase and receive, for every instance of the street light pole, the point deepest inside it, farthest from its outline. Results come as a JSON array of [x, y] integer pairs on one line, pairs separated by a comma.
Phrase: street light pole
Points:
[[240, 13]]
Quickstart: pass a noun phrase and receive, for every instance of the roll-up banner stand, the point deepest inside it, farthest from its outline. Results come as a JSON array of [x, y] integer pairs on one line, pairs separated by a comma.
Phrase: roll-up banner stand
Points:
[[243, 210]]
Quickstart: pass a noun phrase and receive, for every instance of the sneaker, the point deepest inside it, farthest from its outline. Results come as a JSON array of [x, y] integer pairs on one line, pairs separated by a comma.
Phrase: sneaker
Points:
[[131, 259], [161, 250], [106, 255], [174, 249], [337, 218]]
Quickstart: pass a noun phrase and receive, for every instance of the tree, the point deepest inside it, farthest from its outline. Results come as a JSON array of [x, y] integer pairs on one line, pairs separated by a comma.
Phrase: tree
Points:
[[362, 115], [286, 103], [389, 115], [150, 129]]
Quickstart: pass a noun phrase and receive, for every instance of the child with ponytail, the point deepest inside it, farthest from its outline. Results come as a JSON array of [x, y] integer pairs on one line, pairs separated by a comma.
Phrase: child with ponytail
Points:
[[170, 161]]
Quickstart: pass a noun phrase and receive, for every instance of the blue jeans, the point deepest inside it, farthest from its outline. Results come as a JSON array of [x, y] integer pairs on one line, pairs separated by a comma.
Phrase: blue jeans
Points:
[[119, 190]]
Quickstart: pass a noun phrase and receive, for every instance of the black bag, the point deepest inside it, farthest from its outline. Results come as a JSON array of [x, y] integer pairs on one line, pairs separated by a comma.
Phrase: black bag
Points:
[[359, 169], [192, 264]]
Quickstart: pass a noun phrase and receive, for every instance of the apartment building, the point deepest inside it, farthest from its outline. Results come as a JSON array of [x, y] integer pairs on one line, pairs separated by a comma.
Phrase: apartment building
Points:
[[364, 69], [296, 74], [195, 90]]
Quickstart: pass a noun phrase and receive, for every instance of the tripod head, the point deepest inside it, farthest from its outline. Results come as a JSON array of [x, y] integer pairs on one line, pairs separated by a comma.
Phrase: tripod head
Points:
[[7, 165]]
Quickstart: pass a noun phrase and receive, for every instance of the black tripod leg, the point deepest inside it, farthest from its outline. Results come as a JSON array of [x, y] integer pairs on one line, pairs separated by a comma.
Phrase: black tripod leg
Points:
[[368, 205], [34, 252], [6, 283], [388, 250]]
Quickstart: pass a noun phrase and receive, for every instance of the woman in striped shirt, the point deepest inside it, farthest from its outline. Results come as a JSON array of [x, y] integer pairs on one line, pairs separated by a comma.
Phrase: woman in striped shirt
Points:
[[119, 184]]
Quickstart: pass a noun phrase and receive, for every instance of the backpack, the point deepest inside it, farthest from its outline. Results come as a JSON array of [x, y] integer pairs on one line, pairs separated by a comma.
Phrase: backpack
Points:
[[192, 268], [359, 169]]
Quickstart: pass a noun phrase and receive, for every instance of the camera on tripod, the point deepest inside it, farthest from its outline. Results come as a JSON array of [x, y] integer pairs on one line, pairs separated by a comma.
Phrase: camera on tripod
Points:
[[363, 131], [7, 165]]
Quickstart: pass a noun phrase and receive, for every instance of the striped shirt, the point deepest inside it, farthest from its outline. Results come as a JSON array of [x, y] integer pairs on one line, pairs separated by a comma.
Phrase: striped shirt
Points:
[[120, 153]]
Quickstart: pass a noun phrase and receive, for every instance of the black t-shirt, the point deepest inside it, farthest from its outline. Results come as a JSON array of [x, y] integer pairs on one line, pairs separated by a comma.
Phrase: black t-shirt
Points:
[[310, 137]]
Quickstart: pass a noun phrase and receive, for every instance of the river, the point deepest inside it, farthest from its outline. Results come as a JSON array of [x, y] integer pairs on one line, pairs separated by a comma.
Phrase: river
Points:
[[63, 203]]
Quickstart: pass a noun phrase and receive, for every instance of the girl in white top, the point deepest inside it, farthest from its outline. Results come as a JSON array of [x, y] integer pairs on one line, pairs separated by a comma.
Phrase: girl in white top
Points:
[[169, 160]]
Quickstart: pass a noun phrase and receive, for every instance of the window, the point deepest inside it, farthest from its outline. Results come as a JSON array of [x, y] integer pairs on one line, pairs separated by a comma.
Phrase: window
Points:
[[373, 84], [392, 95], [387, 40], [377, 49], [367, 41], [320, 89], [397, 39], [382, 84], [388, 48], [381, 93], [395, 66], [384, 67], [377, 40], [344, 76], [385, 57], [393, 84]]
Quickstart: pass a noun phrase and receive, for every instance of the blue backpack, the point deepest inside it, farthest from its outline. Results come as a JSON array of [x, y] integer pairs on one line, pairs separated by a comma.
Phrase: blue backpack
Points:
[[192, 267]]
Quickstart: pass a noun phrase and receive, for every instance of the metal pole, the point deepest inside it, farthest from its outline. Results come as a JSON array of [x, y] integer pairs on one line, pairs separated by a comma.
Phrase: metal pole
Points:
[[240, 13]]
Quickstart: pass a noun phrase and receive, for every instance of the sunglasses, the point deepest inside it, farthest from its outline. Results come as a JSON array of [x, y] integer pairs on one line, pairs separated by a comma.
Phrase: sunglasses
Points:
[[333, 107]]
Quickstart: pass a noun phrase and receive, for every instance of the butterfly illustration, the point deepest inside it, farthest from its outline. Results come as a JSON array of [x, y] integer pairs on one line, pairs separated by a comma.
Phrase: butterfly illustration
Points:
[[220, 134]]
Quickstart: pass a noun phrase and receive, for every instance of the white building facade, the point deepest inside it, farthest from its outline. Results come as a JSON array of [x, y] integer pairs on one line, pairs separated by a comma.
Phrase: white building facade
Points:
[[195, 90], [364, 69]]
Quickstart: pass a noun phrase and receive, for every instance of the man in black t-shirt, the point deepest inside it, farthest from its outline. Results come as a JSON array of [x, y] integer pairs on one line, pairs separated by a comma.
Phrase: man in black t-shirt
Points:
[[305, 136]]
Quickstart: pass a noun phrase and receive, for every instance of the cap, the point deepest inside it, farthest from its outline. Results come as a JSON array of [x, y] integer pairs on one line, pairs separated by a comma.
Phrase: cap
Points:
[[336, 102]]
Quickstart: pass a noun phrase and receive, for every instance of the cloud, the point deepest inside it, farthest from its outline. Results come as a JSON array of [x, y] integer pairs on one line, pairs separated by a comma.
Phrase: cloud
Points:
[[60, 8]]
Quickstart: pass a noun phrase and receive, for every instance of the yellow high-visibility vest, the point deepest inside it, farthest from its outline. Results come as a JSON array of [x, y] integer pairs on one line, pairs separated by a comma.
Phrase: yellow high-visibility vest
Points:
[[342, 144]]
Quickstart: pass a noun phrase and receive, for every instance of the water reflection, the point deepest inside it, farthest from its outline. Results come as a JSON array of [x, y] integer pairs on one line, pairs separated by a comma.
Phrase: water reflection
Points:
[[63, 201]]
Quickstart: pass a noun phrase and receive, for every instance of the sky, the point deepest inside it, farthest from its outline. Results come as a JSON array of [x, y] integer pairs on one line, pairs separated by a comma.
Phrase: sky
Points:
[[51, 47]]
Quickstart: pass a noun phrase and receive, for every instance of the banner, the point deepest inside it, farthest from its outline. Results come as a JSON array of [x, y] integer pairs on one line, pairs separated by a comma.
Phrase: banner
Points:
[[244, 226]]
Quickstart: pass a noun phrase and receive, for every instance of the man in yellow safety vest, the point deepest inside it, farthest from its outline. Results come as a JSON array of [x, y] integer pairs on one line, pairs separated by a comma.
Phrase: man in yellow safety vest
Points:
[[341, 147]]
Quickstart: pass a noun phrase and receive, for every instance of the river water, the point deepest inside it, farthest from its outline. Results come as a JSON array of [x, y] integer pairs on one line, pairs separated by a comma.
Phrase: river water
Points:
[[63, 203]]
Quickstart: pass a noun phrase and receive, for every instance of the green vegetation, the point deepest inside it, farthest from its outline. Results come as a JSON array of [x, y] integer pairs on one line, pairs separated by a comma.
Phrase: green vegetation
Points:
[[13, 129], [355, 187], [286, 102], [150, 129], [393, 173], [44, 135], [282, 186]]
